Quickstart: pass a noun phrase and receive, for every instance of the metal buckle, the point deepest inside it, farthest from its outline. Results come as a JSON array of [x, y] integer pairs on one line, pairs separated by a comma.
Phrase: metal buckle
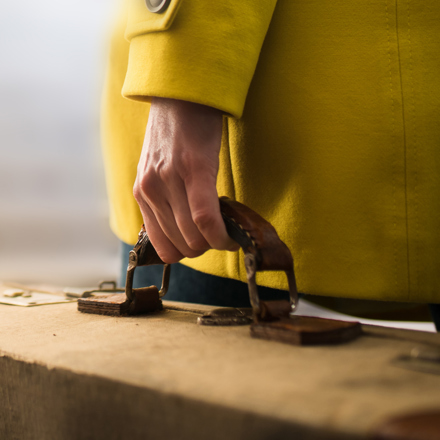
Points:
[[251, 272], [78, 292], [132, 264]]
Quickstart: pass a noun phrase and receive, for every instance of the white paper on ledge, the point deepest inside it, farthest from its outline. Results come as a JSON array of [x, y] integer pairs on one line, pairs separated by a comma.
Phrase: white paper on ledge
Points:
[[306, 308]]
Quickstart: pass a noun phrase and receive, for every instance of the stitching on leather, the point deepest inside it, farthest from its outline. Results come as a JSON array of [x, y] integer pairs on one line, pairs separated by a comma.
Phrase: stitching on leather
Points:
[[245, 231]]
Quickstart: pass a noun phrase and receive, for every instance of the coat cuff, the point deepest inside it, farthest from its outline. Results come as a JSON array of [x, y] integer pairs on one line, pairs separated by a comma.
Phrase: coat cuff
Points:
[[203, 51]]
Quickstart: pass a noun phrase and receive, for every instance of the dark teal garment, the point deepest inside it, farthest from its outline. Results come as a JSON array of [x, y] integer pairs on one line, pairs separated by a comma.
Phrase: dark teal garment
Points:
[[189, 285], [435, 313]]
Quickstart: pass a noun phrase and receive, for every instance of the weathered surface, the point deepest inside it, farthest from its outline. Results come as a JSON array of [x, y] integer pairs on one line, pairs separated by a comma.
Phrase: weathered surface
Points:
[[68, 375]]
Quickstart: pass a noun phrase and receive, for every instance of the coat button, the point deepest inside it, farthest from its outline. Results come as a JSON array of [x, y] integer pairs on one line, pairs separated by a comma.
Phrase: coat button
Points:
[[157, 6]]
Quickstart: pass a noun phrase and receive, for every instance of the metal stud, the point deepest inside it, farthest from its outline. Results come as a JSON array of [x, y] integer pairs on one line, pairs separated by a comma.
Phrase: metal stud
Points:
[[157, 6]]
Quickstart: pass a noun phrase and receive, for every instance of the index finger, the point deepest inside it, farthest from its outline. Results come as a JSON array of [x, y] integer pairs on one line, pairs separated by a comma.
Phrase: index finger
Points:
[[205, 212]]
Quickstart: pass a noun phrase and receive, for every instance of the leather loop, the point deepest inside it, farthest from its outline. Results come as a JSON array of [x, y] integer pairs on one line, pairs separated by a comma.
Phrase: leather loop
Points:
[[263, 251], [146, 254], [257, 236], [274, 310], [146, 299]]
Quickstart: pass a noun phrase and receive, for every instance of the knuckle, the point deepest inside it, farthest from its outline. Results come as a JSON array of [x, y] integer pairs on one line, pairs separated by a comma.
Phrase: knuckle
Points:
[[164, 171], [166, 252], [168, 256], [198, 244], [137, 192], [193, 253], [145, 187], [189, 167], [204, 220], [147, 181]]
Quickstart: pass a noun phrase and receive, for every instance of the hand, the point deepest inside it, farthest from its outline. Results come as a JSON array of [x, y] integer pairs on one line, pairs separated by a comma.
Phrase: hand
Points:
[[176, 180]]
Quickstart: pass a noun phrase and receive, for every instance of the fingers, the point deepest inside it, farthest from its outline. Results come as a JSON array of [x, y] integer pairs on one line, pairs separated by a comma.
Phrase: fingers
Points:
[[183, 222], [205, 212], [166, 250], [176, 182], [162, 228], [166, 219]]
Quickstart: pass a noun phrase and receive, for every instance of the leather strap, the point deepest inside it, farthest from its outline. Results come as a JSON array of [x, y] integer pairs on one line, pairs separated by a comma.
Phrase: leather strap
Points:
[[256, 236], [263, 250], [262, 247]]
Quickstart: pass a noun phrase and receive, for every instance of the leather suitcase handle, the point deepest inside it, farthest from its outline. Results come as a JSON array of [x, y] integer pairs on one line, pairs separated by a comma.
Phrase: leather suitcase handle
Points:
[[263, 250], [255, 235], [261, 245]]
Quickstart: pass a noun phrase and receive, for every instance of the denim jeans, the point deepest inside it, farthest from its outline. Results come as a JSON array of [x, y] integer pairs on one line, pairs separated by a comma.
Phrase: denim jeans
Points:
[[189, 285]]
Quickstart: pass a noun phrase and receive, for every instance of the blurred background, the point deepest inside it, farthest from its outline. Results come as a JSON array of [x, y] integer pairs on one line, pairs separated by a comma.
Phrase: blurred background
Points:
[[53, 206], [53, 212]]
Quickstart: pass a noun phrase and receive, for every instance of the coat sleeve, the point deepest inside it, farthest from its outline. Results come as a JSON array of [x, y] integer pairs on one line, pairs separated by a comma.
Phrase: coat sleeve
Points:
[[203, 51]]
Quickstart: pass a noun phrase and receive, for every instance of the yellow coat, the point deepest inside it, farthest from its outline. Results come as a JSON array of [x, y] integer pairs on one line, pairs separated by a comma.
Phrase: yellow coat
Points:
[[332, 130]]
